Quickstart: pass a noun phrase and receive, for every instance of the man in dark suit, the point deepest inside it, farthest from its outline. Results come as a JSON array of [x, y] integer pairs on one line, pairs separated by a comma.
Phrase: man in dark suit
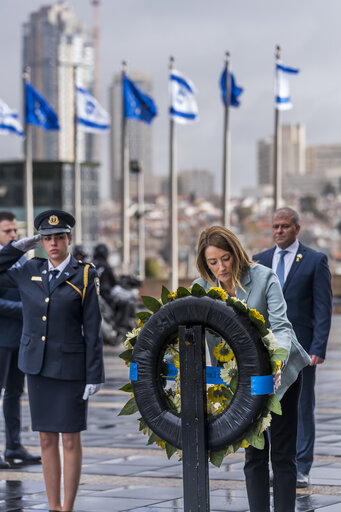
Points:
[[306, 282], [11, 378]]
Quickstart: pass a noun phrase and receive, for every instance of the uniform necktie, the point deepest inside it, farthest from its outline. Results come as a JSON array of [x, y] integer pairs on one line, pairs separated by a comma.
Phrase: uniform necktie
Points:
[[54, 274], [280, 267]]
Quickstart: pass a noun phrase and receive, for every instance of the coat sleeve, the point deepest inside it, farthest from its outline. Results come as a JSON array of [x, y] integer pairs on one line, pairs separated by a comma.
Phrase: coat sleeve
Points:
[[92, 332], [8, 256], [11, 308], [322, 304], [276, 308]]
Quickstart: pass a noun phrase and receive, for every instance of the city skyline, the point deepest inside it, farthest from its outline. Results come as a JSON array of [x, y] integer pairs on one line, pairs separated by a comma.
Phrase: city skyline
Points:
[[146, 33]]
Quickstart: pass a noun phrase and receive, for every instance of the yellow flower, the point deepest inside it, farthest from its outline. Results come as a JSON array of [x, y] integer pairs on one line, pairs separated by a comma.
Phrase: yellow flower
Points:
[[127, 363], [177, 361], [278, 365], [222, 352], [215, 394], [162, 444], [140, 323], [299, 257], [172, 295], [257, 315], [222, 294], [132, 395], [245, 443]]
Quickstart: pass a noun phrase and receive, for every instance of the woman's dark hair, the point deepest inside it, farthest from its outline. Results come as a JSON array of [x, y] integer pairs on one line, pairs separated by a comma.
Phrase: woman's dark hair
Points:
[[101, 251]]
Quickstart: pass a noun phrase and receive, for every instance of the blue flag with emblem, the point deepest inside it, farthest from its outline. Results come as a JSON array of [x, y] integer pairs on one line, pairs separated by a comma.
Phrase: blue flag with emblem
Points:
[[38, 111], [91, 116], [282, 92], [235, 90], [137, 104], [9, 121]]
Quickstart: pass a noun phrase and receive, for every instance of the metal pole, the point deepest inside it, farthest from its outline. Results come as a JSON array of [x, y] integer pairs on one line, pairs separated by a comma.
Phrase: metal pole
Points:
[[77, 168], [141, 234], [194, 419], [125, 185], [277, 180], [226, 155], [173, 203], [28, 167]]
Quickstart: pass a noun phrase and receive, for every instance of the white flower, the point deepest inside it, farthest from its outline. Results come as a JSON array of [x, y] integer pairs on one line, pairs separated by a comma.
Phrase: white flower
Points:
[[228, 371], [265, 422], [270, 341], [129, 336]]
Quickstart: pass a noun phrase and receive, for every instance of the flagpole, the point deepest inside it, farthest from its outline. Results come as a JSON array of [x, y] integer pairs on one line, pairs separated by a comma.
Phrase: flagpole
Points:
[[226, 150], [28, 166], [77, 168], [173, 201], [141, 233], [277, 177], [124, 184]]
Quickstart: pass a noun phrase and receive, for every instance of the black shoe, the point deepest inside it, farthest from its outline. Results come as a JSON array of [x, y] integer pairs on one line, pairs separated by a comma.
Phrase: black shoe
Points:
[[302, 480], [22, 455], [3, 464]]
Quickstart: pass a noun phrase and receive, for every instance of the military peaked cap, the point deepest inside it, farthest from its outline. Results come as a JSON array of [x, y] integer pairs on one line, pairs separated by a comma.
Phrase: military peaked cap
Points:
[[54, 221]]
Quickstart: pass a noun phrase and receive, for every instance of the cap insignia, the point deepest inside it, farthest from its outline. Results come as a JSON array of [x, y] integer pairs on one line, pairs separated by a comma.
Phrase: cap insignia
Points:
[[53, 220]]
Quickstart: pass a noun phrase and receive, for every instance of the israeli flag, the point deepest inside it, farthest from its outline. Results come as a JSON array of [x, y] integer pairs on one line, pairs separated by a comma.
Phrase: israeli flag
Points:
[[183, 106], [91, 116], [282, 92], [9, 121], [137, 104]]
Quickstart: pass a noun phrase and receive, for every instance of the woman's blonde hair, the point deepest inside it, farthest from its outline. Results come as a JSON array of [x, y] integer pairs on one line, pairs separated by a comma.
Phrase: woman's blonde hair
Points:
[[224, 239]]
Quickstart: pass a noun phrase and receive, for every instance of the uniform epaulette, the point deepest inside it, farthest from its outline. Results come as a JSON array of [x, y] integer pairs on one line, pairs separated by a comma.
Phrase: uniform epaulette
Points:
[[81, 262]]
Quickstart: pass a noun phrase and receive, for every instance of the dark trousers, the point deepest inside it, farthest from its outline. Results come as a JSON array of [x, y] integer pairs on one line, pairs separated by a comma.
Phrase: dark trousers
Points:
[[306, 421], [12, 379], [280, 443]]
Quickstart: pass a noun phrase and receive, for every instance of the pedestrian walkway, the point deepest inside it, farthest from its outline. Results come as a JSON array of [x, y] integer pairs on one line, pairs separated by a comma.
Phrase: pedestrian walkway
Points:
[[121, 473]]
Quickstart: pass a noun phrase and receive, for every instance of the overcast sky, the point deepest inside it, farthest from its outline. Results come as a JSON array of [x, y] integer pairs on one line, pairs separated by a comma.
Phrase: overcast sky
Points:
[[197, 33]]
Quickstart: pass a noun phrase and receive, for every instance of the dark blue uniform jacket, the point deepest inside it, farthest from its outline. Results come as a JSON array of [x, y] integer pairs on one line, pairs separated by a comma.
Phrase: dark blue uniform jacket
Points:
[[61, 337]]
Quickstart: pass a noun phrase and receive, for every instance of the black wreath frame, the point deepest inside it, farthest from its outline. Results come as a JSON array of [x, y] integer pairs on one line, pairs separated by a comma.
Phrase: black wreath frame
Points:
[[231, 425]]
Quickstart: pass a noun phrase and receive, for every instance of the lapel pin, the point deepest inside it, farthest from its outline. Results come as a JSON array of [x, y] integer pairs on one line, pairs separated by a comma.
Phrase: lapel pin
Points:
[[44, 272], [299, 257], [67, 273]]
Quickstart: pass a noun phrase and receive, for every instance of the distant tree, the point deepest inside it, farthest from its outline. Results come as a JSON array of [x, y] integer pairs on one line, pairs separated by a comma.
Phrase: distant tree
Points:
[[329, 188], [153, 269], [308, 204], [242, 212]]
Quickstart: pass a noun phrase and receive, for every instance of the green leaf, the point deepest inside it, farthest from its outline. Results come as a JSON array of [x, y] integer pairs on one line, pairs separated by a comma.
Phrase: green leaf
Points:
[[217, 457], [257, 441], [151, 303], [165, 295], [144, 316], [170, 450], [236, 446], [153, 438], [129, 408], [198, 291], [280, 354], [127, 355], [128, 388], [233, 384], [182, 292], [142, 425], [132, 341], [213, 294], [274, 405]]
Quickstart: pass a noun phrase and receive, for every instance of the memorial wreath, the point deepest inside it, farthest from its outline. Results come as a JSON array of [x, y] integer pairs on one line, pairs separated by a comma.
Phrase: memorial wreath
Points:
[[219, 396]]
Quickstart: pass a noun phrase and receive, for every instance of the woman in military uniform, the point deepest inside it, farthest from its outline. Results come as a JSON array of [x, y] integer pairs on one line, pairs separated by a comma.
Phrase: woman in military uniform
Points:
[[61, 346]]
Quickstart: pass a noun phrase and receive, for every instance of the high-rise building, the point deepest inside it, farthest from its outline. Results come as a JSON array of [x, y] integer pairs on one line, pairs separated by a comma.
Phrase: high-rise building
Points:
[[293, 146], [324, 158], [196, 183], [139, 134], [54, 42]]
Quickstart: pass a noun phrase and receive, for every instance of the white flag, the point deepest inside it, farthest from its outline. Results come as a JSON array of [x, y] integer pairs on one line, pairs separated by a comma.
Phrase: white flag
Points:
[[9, 121], [282, 92], [183, 106], [91, 115]]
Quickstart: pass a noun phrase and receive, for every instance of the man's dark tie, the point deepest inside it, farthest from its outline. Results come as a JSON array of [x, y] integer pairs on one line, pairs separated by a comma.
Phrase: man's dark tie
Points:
[[54, 274], [280, 267]]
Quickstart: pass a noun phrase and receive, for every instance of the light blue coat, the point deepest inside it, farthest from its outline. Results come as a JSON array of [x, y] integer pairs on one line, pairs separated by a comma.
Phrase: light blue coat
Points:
[[261, 291]]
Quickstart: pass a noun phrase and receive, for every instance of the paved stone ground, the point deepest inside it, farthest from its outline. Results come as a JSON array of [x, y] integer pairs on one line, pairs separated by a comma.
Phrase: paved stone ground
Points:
[[120, 473]]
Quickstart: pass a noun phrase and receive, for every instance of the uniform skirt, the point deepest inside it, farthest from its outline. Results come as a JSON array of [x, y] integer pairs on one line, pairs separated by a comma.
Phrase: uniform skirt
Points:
[[57, 405]]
